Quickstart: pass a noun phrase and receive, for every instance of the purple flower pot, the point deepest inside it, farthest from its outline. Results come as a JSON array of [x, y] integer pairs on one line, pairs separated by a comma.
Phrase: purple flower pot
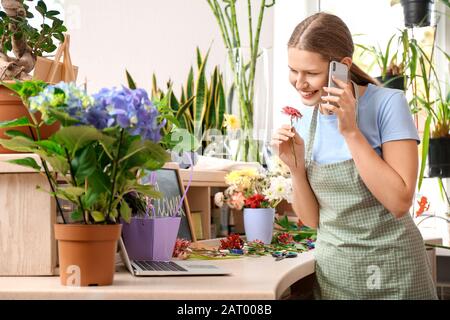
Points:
[[150, 238]]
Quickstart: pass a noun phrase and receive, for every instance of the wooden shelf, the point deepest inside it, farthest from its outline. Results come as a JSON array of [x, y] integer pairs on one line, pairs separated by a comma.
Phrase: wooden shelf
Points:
[[27, 242], [200, 193]]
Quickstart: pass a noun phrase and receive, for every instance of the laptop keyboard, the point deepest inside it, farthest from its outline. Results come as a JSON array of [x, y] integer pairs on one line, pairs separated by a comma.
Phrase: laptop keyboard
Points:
[[159, 266]]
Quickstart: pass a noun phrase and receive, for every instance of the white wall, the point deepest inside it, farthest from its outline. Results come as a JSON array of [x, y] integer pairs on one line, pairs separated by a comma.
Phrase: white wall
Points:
[[145, 36], [287, 15]]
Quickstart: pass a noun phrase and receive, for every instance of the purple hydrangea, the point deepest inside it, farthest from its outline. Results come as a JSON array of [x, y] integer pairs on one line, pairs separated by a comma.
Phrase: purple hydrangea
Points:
[[129, 109]]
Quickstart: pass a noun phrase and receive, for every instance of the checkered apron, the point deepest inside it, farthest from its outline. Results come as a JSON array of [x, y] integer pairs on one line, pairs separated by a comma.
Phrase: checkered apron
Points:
[[362, 250]]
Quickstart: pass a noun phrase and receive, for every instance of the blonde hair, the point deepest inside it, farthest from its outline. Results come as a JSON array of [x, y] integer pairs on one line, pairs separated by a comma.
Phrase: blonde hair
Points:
[[329, 36]]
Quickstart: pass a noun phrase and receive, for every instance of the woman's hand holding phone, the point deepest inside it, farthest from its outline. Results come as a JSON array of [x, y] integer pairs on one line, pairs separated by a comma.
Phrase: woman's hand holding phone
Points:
[[282, 146], [344, 106]]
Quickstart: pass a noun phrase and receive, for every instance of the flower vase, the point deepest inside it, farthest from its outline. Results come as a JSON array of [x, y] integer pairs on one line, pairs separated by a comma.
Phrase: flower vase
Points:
[[247, 85], [258, 224], [150, 238]]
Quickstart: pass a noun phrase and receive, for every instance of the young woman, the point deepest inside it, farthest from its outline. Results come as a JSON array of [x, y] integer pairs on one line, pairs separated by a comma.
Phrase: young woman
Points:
[[355, 179]]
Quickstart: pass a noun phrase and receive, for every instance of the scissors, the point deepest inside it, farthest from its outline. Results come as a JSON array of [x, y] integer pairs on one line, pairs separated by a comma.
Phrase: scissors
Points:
[[280, 255]]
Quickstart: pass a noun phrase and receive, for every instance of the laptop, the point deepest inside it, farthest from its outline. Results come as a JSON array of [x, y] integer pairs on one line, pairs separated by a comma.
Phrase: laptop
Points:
[[169, 268]]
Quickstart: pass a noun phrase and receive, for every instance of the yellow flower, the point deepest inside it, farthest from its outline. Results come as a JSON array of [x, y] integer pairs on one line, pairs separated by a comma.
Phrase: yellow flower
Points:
[[242, 179], [231, 122]]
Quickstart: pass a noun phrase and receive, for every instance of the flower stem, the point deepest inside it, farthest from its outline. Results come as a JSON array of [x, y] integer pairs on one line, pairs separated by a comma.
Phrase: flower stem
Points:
[[47, 171], [114, 173], [292, 145], [74, 181]]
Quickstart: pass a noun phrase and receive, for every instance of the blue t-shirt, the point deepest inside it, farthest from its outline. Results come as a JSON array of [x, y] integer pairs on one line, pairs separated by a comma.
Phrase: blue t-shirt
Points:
[[384, 115]]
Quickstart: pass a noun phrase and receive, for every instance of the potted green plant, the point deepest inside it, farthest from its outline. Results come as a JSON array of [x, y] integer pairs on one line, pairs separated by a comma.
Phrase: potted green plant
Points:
[[201, 107], [429, 95], [105, 142], [422, 80], [26, 43], [391, 61]]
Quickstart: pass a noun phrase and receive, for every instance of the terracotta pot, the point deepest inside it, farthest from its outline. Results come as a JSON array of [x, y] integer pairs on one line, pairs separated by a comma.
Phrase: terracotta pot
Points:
[[11, 107], [87, 253]]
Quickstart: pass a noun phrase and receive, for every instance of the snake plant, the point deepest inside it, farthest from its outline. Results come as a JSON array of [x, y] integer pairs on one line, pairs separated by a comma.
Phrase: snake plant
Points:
[[201, 106]]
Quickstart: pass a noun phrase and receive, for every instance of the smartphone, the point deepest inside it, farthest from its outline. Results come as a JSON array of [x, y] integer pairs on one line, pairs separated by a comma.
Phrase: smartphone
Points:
[[340, 71]]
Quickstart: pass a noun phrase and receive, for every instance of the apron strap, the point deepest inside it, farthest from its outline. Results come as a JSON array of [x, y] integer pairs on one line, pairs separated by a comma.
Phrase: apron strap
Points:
[[313, 125]]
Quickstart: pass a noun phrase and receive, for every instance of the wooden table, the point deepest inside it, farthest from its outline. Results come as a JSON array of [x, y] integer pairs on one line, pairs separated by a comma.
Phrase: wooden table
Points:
[[251, 278]]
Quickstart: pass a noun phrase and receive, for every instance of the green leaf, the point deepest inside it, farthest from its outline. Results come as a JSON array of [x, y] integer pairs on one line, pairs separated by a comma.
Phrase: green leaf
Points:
[[26, 89], [125, 211], [16, 133], [75, 138], [50, 48], [184, 108], [147, 190], [61, 194], [99, 182], [20, 144], [144, 153], [131, 82], [97, 216], [42, 5], [89, 198], [210, 112], [74, 192], [154, 87], [52, 13], [283, 222], [425, 143], [76, 215], [172, 120], [26, 162], [199, 57], [85, 163], [20, 122], [40, 10], [51, 147], [59, 36], [190, 84], [200, 100], [220, 104], [57, 162], [114, 213]]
